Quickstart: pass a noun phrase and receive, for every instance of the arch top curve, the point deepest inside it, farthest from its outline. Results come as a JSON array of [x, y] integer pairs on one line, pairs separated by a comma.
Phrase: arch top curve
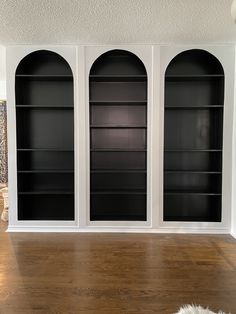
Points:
[[194, 62], [43, 62], [118, 62]]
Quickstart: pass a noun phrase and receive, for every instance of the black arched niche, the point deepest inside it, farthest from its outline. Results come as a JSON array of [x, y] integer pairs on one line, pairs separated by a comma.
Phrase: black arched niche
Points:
[[193, 133], [118, 137], [45, 137]]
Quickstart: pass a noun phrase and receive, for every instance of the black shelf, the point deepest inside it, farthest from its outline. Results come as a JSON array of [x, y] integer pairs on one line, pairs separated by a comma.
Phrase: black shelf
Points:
[[118, 150], [192, 150], [192, 77], [191, 172], [46, 193], [197, 218], [194, 107], [117, 192], [35, 77], [194, 86], [45, 137], [117, 171], [118, 123], [44, 150], [106, 126], [46, 171], [118, 102], [121, 217], [191, 193], [44, 107], [117, 78]]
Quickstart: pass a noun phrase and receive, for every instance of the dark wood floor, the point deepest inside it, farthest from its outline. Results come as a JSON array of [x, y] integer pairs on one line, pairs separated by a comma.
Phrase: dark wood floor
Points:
[[115, 273]]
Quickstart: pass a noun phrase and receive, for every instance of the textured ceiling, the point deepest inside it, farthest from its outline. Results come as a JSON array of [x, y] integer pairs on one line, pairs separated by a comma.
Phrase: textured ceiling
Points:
[[115, 21]]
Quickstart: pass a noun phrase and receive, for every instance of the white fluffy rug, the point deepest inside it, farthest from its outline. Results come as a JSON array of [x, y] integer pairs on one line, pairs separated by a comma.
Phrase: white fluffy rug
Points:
[[191, 309]]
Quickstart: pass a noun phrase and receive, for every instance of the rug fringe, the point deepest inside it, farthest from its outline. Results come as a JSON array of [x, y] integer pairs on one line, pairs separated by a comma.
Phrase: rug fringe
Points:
[[196, 309]]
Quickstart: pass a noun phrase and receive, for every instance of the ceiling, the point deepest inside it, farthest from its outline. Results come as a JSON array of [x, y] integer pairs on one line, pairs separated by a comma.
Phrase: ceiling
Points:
[[115, 21]]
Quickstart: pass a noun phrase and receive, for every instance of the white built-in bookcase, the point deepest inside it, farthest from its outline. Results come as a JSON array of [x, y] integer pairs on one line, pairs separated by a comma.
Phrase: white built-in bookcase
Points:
[[153, 133]]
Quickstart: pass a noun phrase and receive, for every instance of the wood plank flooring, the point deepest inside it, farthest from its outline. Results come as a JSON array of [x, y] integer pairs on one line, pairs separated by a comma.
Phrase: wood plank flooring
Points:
[[115, 273], [3, 225]]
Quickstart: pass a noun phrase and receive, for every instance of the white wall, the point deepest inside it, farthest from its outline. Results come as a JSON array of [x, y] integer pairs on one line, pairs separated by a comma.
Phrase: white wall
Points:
[[2, 73]]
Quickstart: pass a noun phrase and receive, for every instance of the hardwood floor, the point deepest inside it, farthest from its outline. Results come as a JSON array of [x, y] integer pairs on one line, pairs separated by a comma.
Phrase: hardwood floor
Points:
[[115, 273], [3, 225]]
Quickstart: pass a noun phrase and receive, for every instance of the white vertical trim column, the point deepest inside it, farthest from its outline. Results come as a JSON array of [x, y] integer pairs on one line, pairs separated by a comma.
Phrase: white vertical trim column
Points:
[[76, 140], [156, 134], [82, 143], [233, 206], [11, 137]]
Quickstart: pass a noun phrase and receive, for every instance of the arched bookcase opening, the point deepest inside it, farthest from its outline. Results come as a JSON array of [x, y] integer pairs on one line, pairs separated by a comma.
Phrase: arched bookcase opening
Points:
[[193, 134], [118, 137], [45, 137]]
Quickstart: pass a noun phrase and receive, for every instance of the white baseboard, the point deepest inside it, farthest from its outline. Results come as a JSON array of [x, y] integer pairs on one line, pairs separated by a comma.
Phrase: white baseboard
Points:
[[42, 229], [119, 230], [233, 234]]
